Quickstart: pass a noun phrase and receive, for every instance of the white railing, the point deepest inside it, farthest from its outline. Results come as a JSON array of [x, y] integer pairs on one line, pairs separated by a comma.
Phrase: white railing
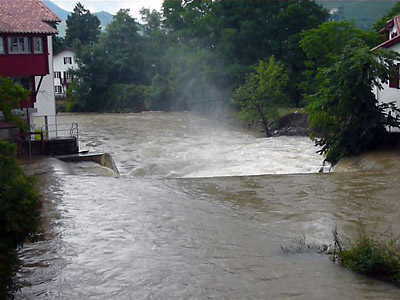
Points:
[[63, 130], [51, 129]]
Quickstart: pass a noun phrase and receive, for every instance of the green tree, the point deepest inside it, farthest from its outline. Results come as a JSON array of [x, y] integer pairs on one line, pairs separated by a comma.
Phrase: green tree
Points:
[[91, 78], [123, 46], [263, 93], [151, 20], [82, 26], [240, 33], [19, 214], [58, 43], [344, 111], [11, 96], [324, 45]]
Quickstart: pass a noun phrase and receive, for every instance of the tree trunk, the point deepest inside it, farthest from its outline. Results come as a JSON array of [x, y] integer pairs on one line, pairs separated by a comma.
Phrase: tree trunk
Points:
[[266, 129], [264, 121]]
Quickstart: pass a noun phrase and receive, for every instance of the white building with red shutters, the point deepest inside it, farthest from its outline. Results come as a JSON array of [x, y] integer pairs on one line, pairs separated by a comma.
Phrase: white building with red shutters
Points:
[[26, 55]]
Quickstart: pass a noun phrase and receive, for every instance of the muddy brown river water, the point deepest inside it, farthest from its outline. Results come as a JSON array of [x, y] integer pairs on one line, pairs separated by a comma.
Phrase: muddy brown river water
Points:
[[200, 211]]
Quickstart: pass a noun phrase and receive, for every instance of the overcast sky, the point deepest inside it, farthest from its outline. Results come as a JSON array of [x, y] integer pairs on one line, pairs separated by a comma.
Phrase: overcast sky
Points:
[[111, 6]]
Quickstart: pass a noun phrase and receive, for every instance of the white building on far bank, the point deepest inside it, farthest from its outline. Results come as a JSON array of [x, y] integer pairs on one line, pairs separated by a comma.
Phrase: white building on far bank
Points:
[[391, 90], [64, 61]]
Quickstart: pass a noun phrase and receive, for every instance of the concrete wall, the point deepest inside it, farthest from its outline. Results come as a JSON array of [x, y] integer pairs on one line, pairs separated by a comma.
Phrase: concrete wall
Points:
[[8, 134], [48, 147]]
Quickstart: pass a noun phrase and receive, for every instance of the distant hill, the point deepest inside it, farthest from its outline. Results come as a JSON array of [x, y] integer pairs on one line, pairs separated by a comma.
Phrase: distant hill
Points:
[[364, 13], [61, 13], [104, 17]]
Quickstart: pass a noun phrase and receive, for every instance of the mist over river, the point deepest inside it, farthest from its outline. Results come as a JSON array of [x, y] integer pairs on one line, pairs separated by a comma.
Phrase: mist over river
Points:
[[200, 210]]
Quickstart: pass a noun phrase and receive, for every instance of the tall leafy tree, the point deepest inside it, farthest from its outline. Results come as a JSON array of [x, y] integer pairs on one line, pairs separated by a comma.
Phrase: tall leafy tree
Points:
[[155, 45], [242, 32], [82, 26], [92, 77], [151, 19], [263, 93], [324, 45], [344, 110], [124, 48]]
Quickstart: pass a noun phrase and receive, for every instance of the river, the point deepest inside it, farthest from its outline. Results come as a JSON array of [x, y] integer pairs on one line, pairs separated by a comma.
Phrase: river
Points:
[[200, 210]]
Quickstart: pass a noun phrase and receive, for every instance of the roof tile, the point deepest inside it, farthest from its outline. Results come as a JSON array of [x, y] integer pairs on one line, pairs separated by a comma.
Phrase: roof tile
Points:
[[26, 16]]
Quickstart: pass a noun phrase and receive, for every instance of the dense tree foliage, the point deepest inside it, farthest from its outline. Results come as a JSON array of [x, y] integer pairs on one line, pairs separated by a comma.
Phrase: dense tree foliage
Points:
[[263, 93], [324, 45], [344, 109], [239, 33], [11, 96], [19, 214], [82, 26], [58, 43], [198, 51]]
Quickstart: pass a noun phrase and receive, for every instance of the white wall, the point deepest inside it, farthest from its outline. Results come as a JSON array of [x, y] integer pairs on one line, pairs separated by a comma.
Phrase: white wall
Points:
[[45, 101], [388, 94]]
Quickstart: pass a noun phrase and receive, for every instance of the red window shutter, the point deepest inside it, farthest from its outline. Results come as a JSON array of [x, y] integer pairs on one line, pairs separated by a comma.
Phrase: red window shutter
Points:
[[394, 80]]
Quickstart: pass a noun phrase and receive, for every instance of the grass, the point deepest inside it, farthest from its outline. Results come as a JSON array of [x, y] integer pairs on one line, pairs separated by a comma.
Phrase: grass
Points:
[[378, 257]]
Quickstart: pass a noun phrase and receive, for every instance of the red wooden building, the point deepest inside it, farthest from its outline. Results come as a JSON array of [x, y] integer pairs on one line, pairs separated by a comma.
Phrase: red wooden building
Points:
[[24, 51]]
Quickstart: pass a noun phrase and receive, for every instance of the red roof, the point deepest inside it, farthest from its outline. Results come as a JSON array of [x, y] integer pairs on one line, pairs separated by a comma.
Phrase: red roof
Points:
[[26, 16], [388, 43], [394, 40]]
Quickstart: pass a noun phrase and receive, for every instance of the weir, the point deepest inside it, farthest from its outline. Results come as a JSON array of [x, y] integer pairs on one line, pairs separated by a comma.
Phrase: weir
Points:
[[103, 159]]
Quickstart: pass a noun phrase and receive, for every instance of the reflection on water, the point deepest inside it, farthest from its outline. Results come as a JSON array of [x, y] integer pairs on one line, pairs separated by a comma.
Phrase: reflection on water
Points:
[[168, 229]]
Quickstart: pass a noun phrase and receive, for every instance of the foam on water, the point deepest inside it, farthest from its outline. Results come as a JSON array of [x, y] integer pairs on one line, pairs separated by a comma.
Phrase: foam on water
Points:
[[179, 145]]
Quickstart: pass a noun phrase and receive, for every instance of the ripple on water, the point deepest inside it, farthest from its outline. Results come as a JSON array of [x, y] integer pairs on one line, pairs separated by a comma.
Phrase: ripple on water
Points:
[[144, 236]]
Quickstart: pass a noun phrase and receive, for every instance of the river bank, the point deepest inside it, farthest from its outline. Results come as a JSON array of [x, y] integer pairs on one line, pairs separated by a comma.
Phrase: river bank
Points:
[[291, 124]]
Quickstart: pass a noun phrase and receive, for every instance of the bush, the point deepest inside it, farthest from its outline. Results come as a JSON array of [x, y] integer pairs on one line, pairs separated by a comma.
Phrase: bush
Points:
[[19, 214], [124, 98], [370, 255]]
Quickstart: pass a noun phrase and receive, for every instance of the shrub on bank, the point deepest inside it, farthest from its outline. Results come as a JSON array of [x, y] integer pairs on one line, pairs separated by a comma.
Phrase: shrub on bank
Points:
[[19, 214], [124, 98], [369, 255]]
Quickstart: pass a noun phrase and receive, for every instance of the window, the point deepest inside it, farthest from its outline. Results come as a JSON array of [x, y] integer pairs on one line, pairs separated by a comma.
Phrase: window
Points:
[[67, 75], [57, 75], [26, 83], [394, 79], [67, 60], [58, 89], [1, 46], [37, 44], [19, 45]]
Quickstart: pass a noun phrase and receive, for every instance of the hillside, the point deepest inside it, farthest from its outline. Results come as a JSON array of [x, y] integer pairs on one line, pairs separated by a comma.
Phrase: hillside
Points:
[[104, 17], [363, 13]]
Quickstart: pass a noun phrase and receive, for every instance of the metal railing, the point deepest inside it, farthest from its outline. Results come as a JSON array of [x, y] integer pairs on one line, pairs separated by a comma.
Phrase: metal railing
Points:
[[50, 130], [63, 130]]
